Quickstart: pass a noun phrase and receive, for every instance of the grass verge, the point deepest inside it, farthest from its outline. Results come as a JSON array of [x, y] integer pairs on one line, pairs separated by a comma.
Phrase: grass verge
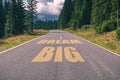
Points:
[[107, 40], [16, 40]]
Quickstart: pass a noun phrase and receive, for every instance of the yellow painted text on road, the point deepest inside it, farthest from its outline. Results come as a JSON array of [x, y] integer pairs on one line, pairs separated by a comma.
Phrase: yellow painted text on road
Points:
[[45, 55], [72, 55], [59, 42], [58, 55], [69, 53]]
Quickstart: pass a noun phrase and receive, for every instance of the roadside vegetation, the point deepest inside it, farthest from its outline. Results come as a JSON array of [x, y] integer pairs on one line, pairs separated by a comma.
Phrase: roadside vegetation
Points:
[[104, 15], [16, 40], [94, 20], [106, 40], [17, 20]]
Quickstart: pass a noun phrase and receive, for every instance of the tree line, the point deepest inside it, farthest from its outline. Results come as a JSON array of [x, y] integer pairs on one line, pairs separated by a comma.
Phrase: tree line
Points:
[[16, 18], [40, 24], [103, 15]]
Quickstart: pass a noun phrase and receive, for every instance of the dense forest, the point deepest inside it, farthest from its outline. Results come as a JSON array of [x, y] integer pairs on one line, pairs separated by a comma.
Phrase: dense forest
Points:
[[103, 15], [15, 19], [48, 24]]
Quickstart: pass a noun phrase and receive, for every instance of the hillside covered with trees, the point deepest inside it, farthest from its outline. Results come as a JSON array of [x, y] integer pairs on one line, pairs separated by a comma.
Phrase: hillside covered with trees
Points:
[[103, 15]]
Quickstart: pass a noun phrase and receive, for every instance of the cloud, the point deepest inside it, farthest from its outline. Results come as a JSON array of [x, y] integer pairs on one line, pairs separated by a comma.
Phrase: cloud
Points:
[[48, 9], [51, 7]]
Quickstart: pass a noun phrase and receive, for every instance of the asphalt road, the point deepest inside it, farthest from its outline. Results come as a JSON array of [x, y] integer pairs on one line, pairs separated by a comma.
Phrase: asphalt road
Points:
[[59, 55]]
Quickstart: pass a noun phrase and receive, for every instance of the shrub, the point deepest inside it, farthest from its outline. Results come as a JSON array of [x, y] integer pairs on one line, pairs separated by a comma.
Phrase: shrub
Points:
[[108, 26], [118, 33], [85, 27], [98, 30]]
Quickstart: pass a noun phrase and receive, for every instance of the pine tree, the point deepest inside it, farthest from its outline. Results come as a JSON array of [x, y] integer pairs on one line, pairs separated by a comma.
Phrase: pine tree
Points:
[[17, 14], [20, 16], [8, 23], [65, 15], [32, 11], [2, 20], [27, 22], [6, 6], [81, 13], [14, 17]]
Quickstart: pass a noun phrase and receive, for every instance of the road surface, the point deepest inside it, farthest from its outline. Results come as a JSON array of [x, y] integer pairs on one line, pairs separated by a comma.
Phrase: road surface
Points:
[[59, 55]]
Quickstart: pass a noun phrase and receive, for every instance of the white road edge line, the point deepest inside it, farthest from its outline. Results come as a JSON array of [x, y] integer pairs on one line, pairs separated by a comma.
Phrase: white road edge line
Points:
[[101, 47], [98, 45], [20, 45]]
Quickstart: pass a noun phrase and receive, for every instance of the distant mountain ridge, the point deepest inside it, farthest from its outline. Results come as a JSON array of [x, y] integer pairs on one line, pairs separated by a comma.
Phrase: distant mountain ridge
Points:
[[44, 17]]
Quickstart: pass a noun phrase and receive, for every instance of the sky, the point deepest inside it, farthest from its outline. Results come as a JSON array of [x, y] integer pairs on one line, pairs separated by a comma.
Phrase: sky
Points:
[[49, 7]]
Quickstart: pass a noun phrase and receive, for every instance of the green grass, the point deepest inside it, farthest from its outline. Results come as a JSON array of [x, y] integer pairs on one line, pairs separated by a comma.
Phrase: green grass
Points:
[[107, 40], [16, 40]]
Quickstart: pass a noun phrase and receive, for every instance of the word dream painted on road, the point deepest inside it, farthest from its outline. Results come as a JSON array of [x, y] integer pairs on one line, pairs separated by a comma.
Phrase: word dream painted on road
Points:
[[49, 52], [59, 42]]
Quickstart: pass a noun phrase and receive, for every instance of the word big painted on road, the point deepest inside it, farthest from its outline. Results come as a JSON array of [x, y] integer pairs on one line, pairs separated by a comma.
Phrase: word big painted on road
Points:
[[69, 53], [47, 53]]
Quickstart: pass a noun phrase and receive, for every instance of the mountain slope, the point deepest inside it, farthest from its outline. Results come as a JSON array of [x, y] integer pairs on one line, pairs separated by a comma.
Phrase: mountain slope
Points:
[[102, 14]]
